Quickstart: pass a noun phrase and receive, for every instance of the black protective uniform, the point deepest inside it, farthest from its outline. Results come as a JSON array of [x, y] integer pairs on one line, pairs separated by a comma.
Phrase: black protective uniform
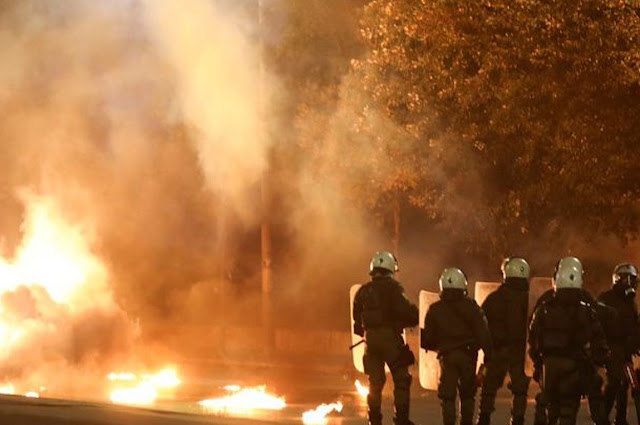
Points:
[[593, 391], [623, 340], [506, 310], [456, 328], [381, 311], [566, 342]]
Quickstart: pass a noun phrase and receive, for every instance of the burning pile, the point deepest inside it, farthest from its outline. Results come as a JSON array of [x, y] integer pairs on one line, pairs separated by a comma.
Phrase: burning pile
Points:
[[142, 390], [243, 401], [318, 416], [58, 317]]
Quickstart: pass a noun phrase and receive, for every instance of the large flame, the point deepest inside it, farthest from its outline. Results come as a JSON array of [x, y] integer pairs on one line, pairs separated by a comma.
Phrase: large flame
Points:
[[54, 255], [142, 390], [318, 416], [52, 284], [243, 401]]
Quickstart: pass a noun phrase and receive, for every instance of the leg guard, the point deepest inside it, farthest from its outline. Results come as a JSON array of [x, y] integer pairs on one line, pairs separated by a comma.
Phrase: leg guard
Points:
[[540, 414], [467, 406], [448, 411]]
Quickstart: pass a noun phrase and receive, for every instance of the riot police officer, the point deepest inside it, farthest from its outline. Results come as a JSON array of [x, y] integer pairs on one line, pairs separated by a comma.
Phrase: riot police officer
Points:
[[456, 328], [506, 310], [381, 311], [623, 337], [566, 341], [593, 386]]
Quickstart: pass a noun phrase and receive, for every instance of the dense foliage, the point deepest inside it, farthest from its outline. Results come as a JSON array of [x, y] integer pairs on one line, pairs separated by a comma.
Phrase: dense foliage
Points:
[[524, 111]]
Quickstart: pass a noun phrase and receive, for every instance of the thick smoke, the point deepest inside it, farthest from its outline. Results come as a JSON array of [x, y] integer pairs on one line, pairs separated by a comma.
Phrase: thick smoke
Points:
[[139, 122], [142, 123]]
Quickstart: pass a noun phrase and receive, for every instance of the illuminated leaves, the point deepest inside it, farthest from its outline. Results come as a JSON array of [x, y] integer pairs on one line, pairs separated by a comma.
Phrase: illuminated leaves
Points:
[[534, 104]]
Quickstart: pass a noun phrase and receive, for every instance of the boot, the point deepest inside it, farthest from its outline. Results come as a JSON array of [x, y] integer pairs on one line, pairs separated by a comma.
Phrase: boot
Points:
[[517, 420], [375, 417], [402, 416], [484, 419]]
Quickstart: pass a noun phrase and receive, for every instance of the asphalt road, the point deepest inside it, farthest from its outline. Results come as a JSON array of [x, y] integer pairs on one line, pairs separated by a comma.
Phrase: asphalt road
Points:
[[23, 411]]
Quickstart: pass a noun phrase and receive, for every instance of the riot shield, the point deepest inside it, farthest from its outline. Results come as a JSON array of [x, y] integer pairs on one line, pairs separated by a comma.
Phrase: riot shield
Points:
[[537, 287], [356, 352], [428, 365], [481, 292]]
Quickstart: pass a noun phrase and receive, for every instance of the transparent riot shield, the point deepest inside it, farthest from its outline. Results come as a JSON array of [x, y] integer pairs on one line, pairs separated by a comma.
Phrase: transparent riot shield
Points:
[[356, 352], [428, 365], [537, 287], [481, 292]]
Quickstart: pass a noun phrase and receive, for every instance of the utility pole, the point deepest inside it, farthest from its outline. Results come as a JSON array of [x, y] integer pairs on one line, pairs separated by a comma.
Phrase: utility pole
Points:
[[265, 228]]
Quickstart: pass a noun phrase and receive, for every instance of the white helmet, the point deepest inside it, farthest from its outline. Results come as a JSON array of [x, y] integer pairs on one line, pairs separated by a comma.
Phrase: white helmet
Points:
[[568, 273], [384, 260], [515, 267], [453, 278]]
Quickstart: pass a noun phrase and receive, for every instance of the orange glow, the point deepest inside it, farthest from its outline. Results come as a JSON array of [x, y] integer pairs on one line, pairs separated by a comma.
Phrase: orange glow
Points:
[[318, 416], [54, 255], [243, 401], [140, 395], [142, 390], [7, 389], [362, 390]]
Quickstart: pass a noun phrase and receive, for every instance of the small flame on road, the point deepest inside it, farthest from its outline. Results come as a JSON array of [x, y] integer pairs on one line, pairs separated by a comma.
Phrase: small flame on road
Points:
[[146, 388], [243, 401], [32, 394], [7, 389], [362, 390], [141, 395], [318, 416]]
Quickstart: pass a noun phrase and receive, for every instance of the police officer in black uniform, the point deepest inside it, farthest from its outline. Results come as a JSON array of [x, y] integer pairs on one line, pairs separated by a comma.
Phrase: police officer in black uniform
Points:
[[456, 328], [566, 341], [381, 311], [593, 387], [623, 338], [506, 310]]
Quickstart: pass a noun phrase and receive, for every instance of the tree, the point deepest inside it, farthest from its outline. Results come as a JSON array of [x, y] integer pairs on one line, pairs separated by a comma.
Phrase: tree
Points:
[[526, 107]]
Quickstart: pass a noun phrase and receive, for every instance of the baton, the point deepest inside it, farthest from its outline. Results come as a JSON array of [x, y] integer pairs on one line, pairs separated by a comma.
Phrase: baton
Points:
[[351, 347]]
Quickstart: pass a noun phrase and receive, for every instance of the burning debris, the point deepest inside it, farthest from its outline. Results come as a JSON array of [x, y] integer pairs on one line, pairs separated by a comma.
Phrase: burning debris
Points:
[[318, 416], [142, 390], [58, 316], [7, 389], [243, 401], [362, 390]]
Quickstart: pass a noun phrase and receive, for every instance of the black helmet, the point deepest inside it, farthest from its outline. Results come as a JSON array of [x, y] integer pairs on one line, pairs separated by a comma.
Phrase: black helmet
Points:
[[625, 273], [625, 276]]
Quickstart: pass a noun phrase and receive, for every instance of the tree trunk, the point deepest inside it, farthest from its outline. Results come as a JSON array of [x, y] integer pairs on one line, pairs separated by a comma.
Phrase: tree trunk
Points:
[[395, 240]]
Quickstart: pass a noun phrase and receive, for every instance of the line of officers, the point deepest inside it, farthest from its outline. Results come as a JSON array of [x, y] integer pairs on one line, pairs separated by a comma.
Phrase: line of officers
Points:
[[570, 334]]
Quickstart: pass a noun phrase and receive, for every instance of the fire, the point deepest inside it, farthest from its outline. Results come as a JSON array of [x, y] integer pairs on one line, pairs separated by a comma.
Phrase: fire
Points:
[[362, 390], [52, 279], [147, 388], [318, 416], [7, 389], [54, 255], [32, 394], [243, 401], [141, 395]]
